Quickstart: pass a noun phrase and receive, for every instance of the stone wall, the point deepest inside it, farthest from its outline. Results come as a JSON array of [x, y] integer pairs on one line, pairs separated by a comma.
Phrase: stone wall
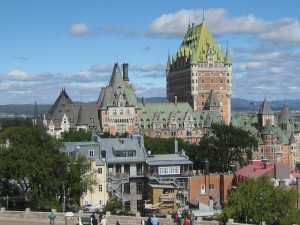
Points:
[[124, 220]]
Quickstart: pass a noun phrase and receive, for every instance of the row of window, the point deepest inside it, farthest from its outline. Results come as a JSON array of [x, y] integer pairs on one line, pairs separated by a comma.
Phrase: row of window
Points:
[[168, 170]]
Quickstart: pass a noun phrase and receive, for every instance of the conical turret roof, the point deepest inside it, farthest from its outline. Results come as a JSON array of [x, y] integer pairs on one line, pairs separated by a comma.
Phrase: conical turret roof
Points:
[[265, 109]]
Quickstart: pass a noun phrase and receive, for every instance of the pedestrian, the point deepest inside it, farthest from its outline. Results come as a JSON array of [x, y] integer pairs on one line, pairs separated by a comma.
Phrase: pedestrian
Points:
[[149, 220], [192, 217], [100, 217], [178, 216], [52, 218], [224, 219], [185, 222], [103, 221], [154, 220], [117, 223]]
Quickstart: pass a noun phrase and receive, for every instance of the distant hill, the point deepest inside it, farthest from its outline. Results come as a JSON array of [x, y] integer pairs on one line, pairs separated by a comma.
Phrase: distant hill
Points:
[[237, 105]]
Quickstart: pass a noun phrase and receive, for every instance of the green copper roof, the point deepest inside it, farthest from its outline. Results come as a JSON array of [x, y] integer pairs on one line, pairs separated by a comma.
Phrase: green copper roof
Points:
[[200, 38], [227, 60]]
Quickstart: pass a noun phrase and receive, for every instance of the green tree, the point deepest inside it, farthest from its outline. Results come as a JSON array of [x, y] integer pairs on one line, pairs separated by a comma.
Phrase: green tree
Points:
[[15, 122], [76, 135], [244, 202], [114, 205], [81, 176], [34, 163], [223, 145], [166, 145]]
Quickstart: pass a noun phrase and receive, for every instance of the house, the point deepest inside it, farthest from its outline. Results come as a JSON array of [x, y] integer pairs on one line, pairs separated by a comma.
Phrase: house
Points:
[[166, 181], [99, 195]]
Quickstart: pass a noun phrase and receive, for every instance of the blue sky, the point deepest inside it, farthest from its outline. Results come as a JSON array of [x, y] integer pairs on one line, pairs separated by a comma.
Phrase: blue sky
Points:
[[50, 44]]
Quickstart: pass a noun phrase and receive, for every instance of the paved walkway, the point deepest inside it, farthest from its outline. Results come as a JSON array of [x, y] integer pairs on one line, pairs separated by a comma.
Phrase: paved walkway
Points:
[[7, 221]]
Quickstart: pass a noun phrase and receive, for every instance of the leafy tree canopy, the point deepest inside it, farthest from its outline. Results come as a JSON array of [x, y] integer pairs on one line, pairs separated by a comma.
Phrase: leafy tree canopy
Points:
[[114, 205], [251, 196], [80, 177], [223, 145], [15, 122], [32, 160], [166, 145], [76, 135]]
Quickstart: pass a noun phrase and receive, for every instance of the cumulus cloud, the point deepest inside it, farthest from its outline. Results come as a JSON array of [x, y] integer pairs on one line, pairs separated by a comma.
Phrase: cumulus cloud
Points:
[[175, 25], [18, 75], [78, 29]]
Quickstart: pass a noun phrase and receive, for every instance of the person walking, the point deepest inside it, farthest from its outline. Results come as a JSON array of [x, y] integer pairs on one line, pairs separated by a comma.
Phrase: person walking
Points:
[[149, 220], [103, 221], [192, 217], [117, 223], [154, 220]]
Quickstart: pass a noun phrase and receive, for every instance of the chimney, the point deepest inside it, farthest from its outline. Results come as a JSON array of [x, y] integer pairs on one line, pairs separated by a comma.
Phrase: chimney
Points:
[[144, 101], [175, 146], [206, 167], [175, 100], [125, 72]]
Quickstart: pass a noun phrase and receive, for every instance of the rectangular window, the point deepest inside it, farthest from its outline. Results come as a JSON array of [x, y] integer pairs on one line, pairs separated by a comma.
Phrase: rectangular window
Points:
[[211, 187], [103, 154], [139, 188], [127, 205], [91, 153], [100, 188], [139, 204], [100, 170], [127, 169], [127, 188]]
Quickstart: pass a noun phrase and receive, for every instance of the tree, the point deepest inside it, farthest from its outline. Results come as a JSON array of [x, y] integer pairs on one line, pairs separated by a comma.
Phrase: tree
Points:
[[15, 122], [80, 177], [114, 205], [32, 162], [244, 202], [223, 145], [166, 145], [76, 135]]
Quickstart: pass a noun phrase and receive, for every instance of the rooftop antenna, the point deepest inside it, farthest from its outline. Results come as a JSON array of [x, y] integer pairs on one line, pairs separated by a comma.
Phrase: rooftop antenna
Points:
[[189, 23], [203, 18], [117, 58]]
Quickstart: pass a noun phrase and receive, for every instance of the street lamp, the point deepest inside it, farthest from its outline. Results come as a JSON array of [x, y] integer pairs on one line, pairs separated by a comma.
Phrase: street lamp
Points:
[[261, 198]]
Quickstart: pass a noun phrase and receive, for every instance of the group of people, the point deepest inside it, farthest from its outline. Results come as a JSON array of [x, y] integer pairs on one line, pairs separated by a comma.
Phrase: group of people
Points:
[[187, 220], [102, 220]]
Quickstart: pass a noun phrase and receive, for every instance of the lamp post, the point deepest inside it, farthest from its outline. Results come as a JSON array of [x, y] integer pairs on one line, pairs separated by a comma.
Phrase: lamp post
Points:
[[261, 198], [64, 197]]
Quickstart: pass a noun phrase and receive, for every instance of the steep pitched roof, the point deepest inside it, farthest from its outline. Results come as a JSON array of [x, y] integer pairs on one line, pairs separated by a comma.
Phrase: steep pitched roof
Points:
[[286, 116], [117, 86], [211, 101], [265, 108], [200, 38], [62, 100]]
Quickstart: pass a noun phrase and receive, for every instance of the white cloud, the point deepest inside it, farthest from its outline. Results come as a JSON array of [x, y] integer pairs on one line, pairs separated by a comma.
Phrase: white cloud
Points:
[[18, 75], [79, 29], [175, 25]]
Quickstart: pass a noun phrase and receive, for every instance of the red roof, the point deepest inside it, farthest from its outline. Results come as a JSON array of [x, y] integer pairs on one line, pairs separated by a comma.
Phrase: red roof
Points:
[[255, 169]]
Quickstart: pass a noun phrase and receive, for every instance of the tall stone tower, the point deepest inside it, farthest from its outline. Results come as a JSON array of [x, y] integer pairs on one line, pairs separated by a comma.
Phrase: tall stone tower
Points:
[[199, 70]]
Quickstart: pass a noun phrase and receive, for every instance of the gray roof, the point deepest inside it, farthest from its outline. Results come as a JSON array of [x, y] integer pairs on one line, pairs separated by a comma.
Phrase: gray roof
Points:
[[111, 145], [168, 159], [117, 87], [82, 148], [265, 109]]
